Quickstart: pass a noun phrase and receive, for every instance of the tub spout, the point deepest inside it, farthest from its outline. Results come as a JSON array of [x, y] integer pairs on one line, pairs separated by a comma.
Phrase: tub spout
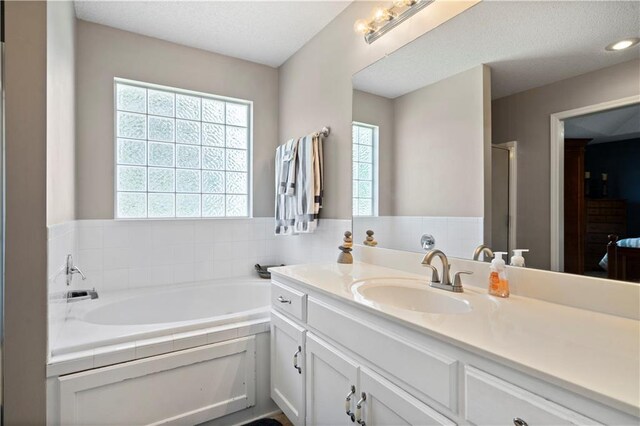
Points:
[[78, 295]]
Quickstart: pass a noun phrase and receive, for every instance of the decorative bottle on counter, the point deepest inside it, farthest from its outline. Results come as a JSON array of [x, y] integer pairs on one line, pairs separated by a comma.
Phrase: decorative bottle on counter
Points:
[[498, 283]]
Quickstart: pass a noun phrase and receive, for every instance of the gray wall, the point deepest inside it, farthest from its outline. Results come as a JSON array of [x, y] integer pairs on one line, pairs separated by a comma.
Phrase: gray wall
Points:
[[61, 39], [104, 53], [439, 148], [524, 117], [25, 308], [378, 110], [315, 87], [426, 138]]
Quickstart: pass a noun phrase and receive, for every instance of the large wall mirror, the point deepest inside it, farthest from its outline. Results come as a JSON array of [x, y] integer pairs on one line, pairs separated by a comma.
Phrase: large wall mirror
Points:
[[528, 138]]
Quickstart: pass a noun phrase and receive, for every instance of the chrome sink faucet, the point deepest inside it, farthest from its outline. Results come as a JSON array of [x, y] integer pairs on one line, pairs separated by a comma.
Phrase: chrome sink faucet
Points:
[[482, 249], [446, 284]]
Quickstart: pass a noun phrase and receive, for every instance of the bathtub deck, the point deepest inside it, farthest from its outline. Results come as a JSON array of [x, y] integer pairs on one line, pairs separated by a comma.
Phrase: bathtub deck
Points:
[[81, 345]]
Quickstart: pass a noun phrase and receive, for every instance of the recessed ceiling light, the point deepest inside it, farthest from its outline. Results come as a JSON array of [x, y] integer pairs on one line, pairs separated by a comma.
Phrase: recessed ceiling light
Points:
[[623, 44]]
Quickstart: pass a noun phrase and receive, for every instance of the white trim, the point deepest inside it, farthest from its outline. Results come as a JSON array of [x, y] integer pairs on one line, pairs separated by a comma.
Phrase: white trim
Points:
[[557, 171], [512, 147]]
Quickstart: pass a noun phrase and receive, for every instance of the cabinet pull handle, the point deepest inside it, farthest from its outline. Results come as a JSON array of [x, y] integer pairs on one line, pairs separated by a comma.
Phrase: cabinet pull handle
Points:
[[347, 404], [359, 410], [295, 360], [517, 421], [283, 300]]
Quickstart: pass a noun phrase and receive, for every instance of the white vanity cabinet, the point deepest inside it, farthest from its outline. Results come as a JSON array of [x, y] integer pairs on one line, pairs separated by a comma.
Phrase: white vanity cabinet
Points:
[[332, 383], [330, 356], [287, 367], [387, 404]]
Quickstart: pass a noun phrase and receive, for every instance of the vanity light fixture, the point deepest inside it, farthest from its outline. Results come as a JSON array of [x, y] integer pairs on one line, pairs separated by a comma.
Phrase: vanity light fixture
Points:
[[623, 44], [384, 20]]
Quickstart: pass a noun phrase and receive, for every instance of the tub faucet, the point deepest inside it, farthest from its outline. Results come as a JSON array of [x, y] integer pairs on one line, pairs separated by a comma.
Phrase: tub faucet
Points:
[[72, 269], [446, 284], [482, 249], [78, 295]]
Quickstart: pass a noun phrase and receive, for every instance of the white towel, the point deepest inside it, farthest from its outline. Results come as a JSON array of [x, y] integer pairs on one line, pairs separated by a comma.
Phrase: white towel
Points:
[[285, 207], [305, 187], [299, 185]]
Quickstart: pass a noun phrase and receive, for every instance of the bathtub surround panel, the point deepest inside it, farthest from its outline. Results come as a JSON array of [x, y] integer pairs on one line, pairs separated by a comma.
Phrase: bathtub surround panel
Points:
[[204, 383], [104, 53], [456, 236]]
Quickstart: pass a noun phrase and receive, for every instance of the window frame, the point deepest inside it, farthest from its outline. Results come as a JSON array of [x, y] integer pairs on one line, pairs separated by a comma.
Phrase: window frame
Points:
[[375, 169], [179, 91]]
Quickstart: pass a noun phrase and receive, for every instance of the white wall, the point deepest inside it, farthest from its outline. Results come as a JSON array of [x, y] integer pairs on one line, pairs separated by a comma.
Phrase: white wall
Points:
[[104, 53], [61, 40], [524, 117], [316, 91], [439, 144]]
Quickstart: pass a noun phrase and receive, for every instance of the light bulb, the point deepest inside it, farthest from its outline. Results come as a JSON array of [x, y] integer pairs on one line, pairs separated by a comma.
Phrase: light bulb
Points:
[[623, 44], [380, 14], [403, 3], [362, 26]]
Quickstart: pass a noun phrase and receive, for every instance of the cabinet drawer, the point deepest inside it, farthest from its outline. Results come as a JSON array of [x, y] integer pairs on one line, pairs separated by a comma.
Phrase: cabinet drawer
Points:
[[433, 374], [492, 401], [289, 301]]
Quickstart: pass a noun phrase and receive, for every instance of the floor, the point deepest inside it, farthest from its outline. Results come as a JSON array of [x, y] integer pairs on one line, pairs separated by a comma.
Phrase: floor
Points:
[[283, 419]]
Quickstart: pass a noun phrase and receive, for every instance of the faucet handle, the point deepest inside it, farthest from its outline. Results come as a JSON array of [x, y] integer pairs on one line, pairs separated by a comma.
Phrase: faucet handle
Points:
[[435, 278], [457, 281]]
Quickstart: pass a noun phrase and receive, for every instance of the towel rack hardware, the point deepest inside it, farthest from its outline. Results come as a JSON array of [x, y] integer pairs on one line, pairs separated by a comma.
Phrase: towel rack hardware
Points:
[[324, 132]]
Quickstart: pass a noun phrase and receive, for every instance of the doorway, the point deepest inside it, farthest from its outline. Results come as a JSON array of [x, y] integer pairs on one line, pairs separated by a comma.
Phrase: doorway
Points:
[[503, 196], [576, 190]]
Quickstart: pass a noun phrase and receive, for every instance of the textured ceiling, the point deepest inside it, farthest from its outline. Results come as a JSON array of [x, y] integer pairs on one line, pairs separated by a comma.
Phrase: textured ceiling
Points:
[[526, 44], [267, 32], [608, 126]]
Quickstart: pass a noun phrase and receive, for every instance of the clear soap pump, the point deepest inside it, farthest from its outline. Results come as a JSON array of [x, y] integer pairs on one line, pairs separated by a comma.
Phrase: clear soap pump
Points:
[[498, 283], [517, 259]]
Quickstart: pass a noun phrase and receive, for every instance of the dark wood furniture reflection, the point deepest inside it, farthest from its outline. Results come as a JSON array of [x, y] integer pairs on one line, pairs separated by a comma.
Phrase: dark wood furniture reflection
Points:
[[623, 262], [604, 217], [574, 205]]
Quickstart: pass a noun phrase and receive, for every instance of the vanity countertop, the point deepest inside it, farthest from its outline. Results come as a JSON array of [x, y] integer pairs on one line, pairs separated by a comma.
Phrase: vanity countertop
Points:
[[590, 353]]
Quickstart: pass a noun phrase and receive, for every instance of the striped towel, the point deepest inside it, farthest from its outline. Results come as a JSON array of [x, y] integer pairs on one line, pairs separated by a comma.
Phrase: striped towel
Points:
[[299, 185]]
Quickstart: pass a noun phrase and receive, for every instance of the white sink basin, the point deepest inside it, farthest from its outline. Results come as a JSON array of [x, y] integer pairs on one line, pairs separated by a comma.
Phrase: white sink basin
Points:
[[408, 294]]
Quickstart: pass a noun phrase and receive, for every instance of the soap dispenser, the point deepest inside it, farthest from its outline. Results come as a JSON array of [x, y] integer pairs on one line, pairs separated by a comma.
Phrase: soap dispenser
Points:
[[517, 259], [498, 283]]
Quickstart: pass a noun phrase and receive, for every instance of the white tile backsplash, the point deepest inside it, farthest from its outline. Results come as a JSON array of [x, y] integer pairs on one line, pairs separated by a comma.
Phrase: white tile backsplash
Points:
[[117, 255]]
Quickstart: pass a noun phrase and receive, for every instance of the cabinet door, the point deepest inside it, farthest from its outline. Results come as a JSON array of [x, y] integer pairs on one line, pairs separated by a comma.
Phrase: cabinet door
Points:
[[331, 384], [388, 405], [287, 362], [491, 400]]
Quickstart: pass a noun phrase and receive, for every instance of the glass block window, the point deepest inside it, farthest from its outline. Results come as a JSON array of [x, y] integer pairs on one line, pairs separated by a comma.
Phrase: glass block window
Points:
[[180, 154], [365, 169]]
